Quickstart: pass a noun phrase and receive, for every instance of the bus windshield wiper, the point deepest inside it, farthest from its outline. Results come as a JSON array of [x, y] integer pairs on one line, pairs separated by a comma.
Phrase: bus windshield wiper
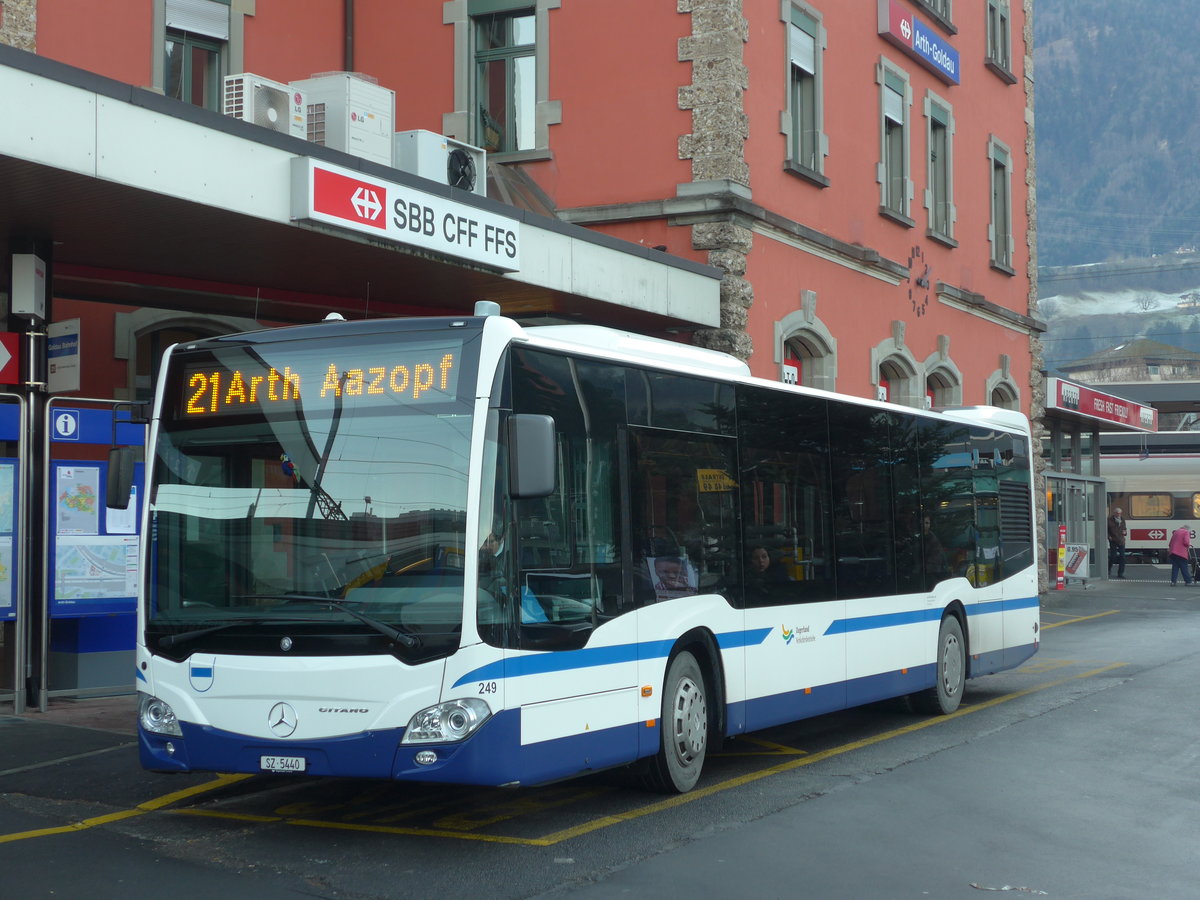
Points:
[[395, 635], [170, 640]]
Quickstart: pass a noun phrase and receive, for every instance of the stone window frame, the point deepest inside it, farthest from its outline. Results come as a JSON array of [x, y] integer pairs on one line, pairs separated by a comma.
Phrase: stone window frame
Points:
[[940, 365], [895, 151], [997, 55], [460, 123], [802, 327], [1001, 381], [1000, 223], [893, 360], [797, 14], [939, 113]]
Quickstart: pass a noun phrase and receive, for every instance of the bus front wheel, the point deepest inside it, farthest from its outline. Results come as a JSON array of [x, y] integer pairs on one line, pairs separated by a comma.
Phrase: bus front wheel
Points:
[[944, 697], [684, 725]]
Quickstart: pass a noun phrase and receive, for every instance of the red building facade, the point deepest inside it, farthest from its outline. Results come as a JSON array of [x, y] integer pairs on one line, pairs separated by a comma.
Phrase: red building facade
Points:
[[840, 193], [859, 171]]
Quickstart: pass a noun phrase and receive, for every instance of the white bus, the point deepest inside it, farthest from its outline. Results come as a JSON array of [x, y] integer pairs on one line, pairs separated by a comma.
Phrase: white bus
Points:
[[460, 550]]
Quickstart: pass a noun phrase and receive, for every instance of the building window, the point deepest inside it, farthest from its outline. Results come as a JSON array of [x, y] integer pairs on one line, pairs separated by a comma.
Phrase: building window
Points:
[[939, 196], [193, 69], [1000, 229], [942, 11], [1003, 396], [505, 78], [999, 53], [201, 41], [803, 119], [893, 176]]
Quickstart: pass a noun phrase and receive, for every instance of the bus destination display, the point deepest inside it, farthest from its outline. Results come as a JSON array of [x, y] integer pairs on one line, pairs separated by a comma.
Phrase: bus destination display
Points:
[[214, 385]]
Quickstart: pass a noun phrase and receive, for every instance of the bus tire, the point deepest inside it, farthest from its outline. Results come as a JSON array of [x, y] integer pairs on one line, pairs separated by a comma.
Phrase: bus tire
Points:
[[684, 728], [946, 694]]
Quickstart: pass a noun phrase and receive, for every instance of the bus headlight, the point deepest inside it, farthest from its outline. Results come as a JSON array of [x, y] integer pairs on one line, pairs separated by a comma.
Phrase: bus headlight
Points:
[[156, 716], [447, 722]]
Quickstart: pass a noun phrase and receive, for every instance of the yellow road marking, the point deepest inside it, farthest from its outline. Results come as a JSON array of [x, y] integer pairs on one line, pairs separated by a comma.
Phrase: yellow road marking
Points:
[[220, 781], [140, 810], [1098, 615], [770, 748]]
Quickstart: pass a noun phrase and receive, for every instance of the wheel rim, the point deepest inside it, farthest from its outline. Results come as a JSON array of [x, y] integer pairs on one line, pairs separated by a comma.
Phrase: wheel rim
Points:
[[952, 665], [690, 721]]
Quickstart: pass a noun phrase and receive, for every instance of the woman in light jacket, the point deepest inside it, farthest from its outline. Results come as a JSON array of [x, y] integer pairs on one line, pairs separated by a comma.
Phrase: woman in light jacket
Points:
[[1181, 543]]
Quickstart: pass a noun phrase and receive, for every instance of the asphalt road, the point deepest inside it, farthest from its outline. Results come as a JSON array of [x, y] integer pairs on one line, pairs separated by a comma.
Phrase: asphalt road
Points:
[[1074, 776]]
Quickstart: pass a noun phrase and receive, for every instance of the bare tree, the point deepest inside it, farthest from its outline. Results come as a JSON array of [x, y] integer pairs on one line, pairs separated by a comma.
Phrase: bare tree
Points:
[[1145, 302]]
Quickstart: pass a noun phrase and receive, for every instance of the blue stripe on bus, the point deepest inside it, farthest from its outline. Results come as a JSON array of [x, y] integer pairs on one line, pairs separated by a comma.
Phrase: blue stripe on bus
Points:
[[589, 657], [914, 616]]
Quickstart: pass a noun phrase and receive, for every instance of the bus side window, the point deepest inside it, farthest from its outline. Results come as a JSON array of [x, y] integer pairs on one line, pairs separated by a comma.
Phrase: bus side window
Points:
[[683, 515], [784, 482], [569, 543]]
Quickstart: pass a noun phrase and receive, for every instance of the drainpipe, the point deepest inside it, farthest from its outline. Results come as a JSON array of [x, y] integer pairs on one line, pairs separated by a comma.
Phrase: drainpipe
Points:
[[348, 28]]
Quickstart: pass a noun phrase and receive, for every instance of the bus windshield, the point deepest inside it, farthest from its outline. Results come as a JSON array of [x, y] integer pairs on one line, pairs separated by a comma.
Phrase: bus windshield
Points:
[[317, 489]]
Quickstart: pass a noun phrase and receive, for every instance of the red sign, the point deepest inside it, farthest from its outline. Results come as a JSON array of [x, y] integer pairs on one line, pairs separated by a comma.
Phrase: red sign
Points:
[[10, 357], [1147, 534], [1097, 405], [349, 198]]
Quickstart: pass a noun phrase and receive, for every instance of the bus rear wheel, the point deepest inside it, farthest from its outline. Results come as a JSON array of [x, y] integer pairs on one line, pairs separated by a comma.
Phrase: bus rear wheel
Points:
[[684, 726], [945, 696]]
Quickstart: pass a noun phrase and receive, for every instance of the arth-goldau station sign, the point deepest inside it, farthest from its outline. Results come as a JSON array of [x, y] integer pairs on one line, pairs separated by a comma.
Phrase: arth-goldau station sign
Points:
[[918, 40], [348, 199]]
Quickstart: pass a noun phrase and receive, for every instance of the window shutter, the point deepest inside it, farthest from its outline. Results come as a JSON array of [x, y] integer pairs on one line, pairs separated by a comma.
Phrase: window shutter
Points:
[[893, 105], [803, 50], [207, 17]]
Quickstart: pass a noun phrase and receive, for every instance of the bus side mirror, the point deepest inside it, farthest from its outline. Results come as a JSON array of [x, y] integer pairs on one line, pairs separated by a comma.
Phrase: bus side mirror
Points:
[[532, 467], [120, 478]]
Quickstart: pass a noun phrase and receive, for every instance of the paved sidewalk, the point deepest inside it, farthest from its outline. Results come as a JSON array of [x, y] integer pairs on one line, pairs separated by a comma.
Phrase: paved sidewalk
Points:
[[116, 714]]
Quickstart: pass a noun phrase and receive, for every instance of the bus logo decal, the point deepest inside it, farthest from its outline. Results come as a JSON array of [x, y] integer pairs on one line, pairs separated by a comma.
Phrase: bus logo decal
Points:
[[797, 634], [202, 672], [282, 720]]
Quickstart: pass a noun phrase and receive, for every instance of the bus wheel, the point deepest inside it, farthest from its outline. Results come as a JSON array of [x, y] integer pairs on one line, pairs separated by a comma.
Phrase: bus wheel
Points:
[[676, 768], [943, 698]]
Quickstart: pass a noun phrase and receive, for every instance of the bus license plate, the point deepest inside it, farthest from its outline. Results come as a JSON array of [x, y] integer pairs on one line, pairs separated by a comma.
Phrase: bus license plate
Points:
[[281, 763]]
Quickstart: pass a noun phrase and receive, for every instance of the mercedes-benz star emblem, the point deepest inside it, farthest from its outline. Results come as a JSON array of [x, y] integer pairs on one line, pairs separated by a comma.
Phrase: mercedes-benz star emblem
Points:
[[285, 644], [282, 720]]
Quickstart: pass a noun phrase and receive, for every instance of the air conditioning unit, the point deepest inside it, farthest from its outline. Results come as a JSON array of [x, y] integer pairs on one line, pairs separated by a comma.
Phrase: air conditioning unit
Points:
[[270, 104], [350, 112], [441, 159]]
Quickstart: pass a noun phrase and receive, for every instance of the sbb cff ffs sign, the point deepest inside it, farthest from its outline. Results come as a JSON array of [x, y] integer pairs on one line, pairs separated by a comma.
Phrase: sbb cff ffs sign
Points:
[[335, 196]]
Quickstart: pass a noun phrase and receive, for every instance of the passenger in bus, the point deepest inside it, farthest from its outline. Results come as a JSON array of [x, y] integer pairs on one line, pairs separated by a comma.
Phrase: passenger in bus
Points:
[[671, 576], [1180, 549], [764, 576], [1116, 543]]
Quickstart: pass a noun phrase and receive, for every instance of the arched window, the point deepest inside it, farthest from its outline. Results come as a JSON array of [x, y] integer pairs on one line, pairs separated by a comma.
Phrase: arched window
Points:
[[804, 348], [897, 382], [1000, 389], [895, 374], [1004, 396]]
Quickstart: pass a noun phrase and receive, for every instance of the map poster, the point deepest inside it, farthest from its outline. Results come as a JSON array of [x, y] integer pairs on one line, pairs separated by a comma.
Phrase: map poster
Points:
[[94, 569], [77, 493]]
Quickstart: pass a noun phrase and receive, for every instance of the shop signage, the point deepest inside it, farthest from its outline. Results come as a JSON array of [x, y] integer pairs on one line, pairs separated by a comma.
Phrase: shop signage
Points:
[[62, 356], [404, 215], [900, 27], [1083, 401]]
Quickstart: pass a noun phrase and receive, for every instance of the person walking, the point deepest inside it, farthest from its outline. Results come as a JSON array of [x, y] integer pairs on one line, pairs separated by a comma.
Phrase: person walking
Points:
[[1180, 550], [1116, 543]]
